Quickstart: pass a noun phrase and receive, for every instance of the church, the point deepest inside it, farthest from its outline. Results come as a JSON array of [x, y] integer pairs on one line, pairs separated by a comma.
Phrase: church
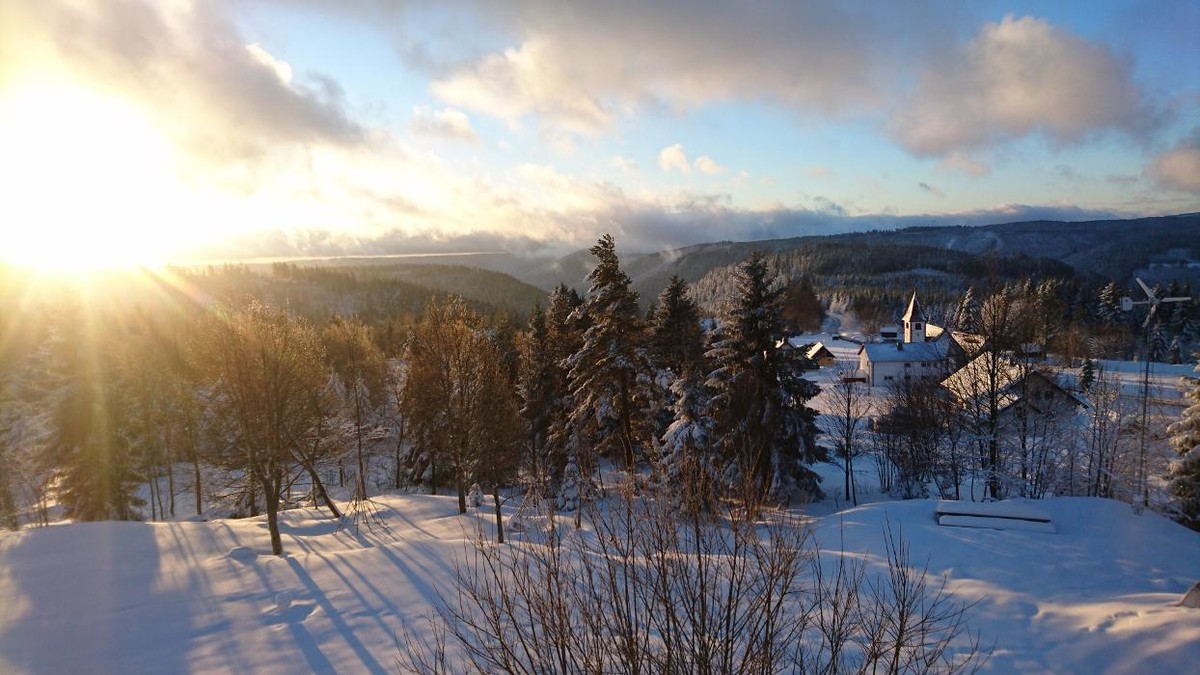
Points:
[[919, 352]]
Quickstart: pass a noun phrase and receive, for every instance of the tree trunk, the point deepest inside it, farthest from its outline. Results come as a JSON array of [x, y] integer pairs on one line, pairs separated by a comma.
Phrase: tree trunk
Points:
[[196, 484], [499, 517], [271, 489], [461, 484], [319, 488], [399, 448], [171, 481]]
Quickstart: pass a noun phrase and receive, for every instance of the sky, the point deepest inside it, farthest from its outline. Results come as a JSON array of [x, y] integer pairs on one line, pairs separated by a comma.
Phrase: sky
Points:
[[186, 129]]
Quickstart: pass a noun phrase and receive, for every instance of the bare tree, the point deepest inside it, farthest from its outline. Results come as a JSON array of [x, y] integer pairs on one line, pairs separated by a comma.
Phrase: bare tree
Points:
[[268, 367], [663, 589], [850, 401]]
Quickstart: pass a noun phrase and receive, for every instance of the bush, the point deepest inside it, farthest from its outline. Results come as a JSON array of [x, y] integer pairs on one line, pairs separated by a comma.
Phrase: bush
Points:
[[655, 588]]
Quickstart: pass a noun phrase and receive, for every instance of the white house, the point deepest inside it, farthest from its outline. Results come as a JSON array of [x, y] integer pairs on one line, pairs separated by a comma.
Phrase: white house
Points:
[[913, 355]]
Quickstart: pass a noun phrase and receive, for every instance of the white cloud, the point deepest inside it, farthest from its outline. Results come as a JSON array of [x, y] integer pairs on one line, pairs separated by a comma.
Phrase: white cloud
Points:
[[1019, 77], [1178, 169], [818, 172], [624, 164], [582, 65], [673, 157], [185, 66], [531, 79], [707, 165], [447, 123], [282, 69]]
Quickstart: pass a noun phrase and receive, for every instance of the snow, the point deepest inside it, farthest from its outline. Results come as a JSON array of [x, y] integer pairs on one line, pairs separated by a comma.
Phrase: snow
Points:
[[1101, 595]]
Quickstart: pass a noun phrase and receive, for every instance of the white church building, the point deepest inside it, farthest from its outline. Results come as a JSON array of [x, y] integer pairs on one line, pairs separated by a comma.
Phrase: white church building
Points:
[[920, 352]]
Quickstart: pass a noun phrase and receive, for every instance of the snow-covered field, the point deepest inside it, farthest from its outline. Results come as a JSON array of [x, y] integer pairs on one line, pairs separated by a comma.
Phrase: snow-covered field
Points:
[[1097, 596]]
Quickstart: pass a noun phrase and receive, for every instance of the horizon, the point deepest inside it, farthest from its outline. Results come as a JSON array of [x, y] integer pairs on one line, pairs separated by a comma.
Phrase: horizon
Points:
[[150, 132]]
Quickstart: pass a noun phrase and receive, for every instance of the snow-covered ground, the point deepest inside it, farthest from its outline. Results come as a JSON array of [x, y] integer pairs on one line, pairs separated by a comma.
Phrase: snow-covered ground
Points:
[[1097, 596]]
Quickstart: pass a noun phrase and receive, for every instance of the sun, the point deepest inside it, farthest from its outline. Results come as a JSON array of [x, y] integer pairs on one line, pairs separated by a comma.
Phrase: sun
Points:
[[89, 183]]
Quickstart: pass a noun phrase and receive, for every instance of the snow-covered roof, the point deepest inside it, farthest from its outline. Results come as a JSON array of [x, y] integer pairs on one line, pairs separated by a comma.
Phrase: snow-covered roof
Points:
[[818, 350], [880, 352], [972, 380]]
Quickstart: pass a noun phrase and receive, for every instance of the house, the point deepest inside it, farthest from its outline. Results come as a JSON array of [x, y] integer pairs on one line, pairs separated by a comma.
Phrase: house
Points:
[[820, 355], [1019, 386], [919, 352]]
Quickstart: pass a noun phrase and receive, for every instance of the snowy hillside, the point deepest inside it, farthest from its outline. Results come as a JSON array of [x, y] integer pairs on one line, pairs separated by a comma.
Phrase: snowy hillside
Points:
[[1098, 596]]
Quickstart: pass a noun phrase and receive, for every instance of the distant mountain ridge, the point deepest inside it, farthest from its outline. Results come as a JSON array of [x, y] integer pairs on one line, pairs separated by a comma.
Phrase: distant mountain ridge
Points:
[[1102, 249]]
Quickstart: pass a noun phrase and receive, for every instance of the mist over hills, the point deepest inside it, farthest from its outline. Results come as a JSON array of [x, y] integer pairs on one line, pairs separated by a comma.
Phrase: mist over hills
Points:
[[1099, 249]]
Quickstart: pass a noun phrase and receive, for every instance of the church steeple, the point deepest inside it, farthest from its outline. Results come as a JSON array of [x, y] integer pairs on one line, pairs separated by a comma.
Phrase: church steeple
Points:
[[914, 321]]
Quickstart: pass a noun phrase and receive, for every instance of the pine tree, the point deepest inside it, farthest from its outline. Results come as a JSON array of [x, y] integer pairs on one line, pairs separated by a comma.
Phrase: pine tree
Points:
[[1184, 476], [90, 453], [688, 463], [1108, 305], [1158, 343], [539, 389], [676, 340], [610, 373], [1087, 375], [1175, 352], [966, 318], [763, 427], [566, 323]]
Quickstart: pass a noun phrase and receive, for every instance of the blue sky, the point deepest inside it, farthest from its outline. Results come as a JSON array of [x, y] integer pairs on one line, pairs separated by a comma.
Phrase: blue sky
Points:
[[252, 127]]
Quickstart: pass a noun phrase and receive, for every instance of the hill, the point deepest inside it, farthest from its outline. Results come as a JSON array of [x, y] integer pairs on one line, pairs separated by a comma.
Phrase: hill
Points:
[[1103, 249]]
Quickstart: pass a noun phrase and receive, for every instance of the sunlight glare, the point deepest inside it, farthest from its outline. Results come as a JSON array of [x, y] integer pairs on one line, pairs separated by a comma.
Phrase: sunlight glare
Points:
[[89, 183]]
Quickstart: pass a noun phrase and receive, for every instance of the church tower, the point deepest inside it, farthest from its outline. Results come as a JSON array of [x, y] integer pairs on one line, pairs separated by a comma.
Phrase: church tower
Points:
[[914, 321]]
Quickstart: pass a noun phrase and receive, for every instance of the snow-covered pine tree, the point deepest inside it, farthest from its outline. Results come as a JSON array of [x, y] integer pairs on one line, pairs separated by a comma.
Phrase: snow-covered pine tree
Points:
[[1184, 475], [538, 387], [1158, 342], [1087, 375], [610, 373], [676, 344], [966, 318], [762, 425], [1108, 305], [688, 466], [565, 325]]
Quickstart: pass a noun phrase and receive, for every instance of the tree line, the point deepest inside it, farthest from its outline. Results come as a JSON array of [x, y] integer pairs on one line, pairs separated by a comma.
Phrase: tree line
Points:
[[123, 411]]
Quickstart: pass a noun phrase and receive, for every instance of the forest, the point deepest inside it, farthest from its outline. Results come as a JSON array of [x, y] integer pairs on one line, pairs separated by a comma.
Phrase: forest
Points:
[[230, 391]]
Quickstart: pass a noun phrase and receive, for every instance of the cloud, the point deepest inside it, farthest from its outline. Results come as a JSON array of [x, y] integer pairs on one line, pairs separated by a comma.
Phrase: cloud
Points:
[[707, 165], [624, 164], [447, 123], [673, 157], [936, 192], [639, 224], [186, 66], [1179, 168], [1019, 77], [957, 163], [818, 172], [583, 65]]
